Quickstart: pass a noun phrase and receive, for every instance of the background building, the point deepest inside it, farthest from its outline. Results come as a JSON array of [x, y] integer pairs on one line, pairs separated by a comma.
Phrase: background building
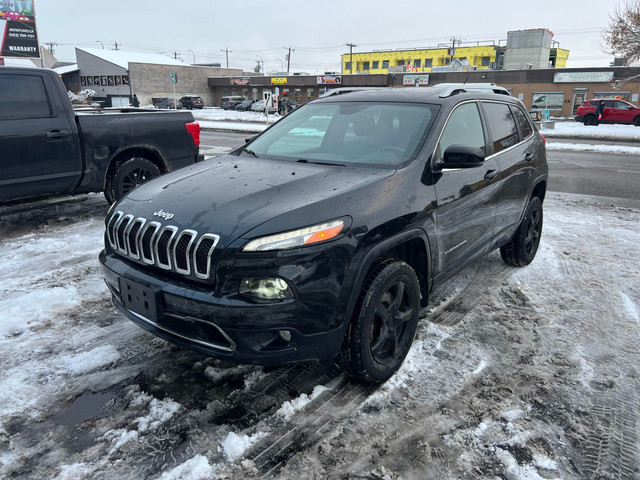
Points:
[[522, 49]]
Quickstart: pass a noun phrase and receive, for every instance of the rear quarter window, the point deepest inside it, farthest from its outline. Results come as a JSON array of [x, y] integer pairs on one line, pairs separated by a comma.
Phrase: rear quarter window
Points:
[[502, 125], [523, 122]]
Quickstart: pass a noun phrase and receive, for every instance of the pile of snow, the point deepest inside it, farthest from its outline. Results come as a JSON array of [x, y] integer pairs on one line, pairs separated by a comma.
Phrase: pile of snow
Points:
[[605, 132]]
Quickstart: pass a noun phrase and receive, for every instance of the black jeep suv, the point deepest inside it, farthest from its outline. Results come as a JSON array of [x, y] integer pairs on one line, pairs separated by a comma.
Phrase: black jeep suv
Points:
[[325, 234]]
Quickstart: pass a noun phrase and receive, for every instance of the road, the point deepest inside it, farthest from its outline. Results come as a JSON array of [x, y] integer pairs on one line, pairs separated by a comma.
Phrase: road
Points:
[[586, 173]]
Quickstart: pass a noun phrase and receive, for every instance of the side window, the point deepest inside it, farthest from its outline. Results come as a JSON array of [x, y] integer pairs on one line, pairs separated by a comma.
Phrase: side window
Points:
[[23, 96], [621, 105], [502, 126], [523, 122], [464, 127]]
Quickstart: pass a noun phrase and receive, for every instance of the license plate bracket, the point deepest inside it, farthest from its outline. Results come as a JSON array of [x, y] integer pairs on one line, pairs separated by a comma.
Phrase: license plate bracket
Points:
[[138, 298]]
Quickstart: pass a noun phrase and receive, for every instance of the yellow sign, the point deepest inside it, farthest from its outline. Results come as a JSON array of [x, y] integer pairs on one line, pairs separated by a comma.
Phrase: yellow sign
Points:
[[278, 80]]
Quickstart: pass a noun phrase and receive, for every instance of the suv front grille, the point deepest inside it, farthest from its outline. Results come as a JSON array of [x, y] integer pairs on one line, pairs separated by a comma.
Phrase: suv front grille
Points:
[[185, 252]]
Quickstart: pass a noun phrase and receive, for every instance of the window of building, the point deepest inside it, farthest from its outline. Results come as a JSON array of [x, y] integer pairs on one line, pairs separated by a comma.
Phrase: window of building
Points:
[[485, 62], [347, 66], [385, 64], [417, 63], [365, 66], [428, 62], [375, 65], [401, 63], [502, 125], [547, 101], [311, 93], [23, 96]]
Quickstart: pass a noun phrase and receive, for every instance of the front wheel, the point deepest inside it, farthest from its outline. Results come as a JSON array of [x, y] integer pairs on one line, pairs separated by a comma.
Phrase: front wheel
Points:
[[128, 175], [382, 330], [522, 248]]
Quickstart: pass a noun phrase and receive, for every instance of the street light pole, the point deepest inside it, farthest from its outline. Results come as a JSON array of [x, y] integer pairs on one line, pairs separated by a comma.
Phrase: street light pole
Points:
[[194, 56], [98, 41], [262, 63]]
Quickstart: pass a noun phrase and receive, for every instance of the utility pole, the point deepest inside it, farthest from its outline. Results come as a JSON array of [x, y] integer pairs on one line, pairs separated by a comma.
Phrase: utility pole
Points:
[[289, 57], [227, 52], [453, 47], [51, 45], [116, 46], [350, 45], [175, 55]]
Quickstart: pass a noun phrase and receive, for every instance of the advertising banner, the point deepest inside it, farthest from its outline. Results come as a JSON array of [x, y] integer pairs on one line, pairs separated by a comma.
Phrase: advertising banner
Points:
[[18, 29], [329, 80], [582, 77]]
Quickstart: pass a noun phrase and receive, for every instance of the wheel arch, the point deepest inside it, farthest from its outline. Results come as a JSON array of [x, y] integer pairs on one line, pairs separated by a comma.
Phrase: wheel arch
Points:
[[412, 247], [539, 190], [148, 152]]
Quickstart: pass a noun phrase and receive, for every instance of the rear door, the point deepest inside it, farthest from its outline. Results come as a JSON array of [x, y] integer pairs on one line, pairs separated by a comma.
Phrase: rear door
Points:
[[513, 147], [466, 197], [38, 150]]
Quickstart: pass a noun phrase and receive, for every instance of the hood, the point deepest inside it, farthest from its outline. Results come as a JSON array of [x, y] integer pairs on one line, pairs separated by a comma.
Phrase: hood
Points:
[[231, 195]]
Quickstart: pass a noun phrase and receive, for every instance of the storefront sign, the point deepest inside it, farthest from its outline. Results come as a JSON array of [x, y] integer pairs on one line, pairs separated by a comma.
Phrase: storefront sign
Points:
[[18, 29], [415, 80], [240, 81], [278, 80], [329, 80], [582, 77]]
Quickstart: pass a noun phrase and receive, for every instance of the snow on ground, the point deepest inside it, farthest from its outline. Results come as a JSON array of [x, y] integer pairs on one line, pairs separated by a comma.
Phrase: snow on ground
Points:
[[573, 129], [583, 147], [231, 120], [515, 374]]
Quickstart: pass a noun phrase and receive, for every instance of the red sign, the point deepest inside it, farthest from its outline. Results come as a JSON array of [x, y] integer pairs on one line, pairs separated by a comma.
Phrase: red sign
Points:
[[240, 81]]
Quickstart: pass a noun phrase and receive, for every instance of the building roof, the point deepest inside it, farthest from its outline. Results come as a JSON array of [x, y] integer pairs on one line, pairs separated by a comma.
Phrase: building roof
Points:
[[66, 69], [122, 58]]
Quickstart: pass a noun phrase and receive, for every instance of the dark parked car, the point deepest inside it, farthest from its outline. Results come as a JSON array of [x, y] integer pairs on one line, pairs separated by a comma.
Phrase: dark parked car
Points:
[[171, 103], [245, 105], [615, 111], [324, 236], [49, 149], [192, 101], [229, 103]]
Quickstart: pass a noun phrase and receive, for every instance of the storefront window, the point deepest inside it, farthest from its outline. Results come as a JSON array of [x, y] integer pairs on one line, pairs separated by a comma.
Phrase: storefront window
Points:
[[621, 95], [311, 93], [297, 94], [547, 101]]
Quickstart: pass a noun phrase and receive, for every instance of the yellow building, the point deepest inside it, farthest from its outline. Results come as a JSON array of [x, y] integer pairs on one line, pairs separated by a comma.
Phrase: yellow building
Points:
[[426, 60]]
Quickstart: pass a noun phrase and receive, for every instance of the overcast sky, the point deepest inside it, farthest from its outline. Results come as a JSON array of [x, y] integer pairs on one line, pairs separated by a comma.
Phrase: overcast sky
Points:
[[318, 31]]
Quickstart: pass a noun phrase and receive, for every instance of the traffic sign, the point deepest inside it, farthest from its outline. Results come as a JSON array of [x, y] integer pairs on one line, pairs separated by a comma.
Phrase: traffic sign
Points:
[[173, 77]]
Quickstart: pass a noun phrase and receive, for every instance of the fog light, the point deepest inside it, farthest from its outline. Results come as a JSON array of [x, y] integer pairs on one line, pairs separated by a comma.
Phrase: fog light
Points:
[[285, 335], [265, 288]]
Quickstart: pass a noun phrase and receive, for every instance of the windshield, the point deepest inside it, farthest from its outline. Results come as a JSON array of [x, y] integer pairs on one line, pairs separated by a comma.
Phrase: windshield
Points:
[[368, 133]]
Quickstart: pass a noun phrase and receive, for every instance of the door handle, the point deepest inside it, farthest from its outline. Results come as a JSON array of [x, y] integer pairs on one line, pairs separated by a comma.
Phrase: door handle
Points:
[[528, 157], [57, 134], [491, 174]]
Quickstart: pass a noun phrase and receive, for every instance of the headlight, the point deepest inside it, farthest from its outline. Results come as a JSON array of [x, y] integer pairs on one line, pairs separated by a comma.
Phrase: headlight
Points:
[[296, 238]]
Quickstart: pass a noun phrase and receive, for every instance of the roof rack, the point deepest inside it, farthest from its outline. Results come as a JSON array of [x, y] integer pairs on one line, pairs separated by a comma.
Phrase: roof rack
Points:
[[341, 90], [449, 89]]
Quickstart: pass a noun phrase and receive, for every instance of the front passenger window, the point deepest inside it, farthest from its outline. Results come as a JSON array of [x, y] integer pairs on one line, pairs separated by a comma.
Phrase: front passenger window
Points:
[[463, 128]]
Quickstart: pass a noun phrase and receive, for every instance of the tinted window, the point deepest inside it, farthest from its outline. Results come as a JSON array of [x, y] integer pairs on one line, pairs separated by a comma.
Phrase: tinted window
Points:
[[502, 126], [464, 127], [23, 96], [523, 122]]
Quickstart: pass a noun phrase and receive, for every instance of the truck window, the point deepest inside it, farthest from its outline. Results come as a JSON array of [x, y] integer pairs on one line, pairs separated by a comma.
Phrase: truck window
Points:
[[23, 96]]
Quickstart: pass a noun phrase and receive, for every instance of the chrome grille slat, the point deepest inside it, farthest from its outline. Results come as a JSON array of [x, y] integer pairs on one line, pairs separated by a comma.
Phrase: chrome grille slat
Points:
[[166, 247]]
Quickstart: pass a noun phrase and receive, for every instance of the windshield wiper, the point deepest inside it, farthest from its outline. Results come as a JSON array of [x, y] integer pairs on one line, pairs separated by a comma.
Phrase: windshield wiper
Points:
[[251, 152], [304, 160]]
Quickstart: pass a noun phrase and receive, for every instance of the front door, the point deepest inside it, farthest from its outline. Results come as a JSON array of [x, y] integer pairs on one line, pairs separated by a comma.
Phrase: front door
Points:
[[578, 100], [466, 198], [38, 152]]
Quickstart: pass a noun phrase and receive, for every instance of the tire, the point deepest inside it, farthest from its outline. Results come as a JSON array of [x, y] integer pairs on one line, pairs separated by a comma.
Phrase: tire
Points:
[[589, 120], [636, 121], [522, 248], [128, 175], [384, 323]]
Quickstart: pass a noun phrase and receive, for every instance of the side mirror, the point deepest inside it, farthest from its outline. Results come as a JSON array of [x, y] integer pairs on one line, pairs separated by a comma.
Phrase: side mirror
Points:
[[462, 156], [249, 139]]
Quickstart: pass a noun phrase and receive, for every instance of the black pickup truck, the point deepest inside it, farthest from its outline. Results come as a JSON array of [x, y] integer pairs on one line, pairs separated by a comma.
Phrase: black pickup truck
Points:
[[48, 149], [325, 234]]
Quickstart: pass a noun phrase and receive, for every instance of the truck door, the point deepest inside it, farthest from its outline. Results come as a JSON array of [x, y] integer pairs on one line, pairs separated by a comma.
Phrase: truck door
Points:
[[466, 197], [38, 149]]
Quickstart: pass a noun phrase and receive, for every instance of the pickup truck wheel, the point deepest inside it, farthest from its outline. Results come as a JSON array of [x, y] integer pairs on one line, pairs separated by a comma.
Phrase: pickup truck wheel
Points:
[[130, 174], [382, 330], [522, 248]]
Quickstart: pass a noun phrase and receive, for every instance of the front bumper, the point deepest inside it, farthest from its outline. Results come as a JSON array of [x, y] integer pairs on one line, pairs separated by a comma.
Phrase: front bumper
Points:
[[227, 326]]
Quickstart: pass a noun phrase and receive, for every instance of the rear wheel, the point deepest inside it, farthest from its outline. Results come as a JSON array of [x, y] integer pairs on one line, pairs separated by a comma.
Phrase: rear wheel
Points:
[[589, 120], [382, 330], [636, 121], [128, 175], [522, 248]]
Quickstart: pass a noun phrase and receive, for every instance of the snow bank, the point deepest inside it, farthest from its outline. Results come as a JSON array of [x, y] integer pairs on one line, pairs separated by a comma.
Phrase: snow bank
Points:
[[605, 132]]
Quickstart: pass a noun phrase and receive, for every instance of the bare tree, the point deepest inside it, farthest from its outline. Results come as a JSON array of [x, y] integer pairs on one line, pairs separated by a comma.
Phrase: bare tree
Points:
[[622, 35]]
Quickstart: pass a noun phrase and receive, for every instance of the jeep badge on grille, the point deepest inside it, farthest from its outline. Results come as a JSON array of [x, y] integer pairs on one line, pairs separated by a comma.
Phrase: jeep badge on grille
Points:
[[162, 214]]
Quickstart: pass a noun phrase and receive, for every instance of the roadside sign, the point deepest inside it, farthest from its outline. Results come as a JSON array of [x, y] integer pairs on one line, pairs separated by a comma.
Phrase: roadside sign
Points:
[[173, 77]]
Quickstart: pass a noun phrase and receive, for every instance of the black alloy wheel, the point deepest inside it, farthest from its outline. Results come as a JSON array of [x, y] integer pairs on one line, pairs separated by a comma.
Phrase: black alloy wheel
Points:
[[384, 324], [523, 246], [129, 175]]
